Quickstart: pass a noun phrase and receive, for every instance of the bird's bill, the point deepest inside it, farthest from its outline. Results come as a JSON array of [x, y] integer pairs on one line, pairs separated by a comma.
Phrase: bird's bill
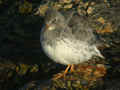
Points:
[[49, 27]]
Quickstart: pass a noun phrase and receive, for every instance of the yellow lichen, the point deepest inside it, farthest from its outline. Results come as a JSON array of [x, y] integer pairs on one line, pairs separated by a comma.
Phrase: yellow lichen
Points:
[[106, 29], [65, 1], [68, 6], [34, 68], [89, 10], [22, 69], [101, 20], [41, 10], [26, 7]]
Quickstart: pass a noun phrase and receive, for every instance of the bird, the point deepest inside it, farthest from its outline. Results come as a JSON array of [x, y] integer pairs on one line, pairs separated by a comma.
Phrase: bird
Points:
[[68, 40]]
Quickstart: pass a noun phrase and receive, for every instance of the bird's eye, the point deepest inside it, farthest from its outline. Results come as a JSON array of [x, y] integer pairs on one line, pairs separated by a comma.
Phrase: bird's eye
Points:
[[54, 20]]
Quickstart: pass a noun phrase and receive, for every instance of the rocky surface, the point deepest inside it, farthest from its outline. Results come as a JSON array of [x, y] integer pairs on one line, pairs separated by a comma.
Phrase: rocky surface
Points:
[[23, 63]]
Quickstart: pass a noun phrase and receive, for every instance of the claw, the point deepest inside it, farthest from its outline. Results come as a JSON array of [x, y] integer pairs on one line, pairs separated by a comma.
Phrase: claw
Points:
[[59, 75]]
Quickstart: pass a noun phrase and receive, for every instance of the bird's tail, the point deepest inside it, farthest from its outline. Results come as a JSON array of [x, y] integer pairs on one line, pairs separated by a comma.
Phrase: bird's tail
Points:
[[98, 53]]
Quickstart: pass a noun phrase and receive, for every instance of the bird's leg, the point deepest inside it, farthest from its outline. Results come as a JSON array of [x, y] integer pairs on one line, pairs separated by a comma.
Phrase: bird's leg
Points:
[[66, 70], [59, 75], [72, 68]]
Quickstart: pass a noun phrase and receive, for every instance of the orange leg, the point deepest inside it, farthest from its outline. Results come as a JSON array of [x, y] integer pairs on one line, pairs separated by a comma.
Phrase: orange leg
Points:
[[66, 70], [72, 68], [59, 75]]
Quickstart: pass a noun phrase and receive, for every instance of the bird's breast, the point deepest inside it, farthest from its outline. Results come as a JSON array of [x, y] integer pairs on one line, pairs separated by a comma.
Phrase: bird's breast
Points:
[[69, 52]]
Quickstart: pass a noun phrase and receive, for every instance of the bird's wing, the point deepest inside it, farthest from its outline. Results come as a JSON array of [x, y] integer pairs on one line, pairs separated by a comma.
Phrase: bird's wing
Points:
[[81, 29]]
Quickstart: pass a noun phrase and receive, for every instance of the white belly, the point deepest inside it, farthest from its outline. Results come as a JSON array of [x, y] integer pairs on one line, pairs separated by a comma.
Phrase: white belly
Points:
[[70, 52]]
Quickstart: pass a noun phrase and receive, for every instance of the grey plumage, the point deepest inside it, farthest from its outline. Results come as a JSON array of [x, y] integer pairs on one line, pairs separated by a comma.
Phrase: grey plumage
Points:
[[68, 41]]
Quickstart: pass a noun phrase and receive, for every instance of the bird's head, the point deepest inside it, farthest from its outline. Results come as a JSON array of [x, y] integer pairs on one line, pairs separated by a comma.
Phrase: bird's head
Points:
[[53, 19]]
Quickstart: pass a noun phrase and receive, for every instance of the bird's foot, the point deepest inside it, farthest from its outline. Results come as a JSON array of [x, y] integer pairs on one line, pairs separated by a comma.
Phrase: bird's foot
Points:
[[60, 75], [57, 76]]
